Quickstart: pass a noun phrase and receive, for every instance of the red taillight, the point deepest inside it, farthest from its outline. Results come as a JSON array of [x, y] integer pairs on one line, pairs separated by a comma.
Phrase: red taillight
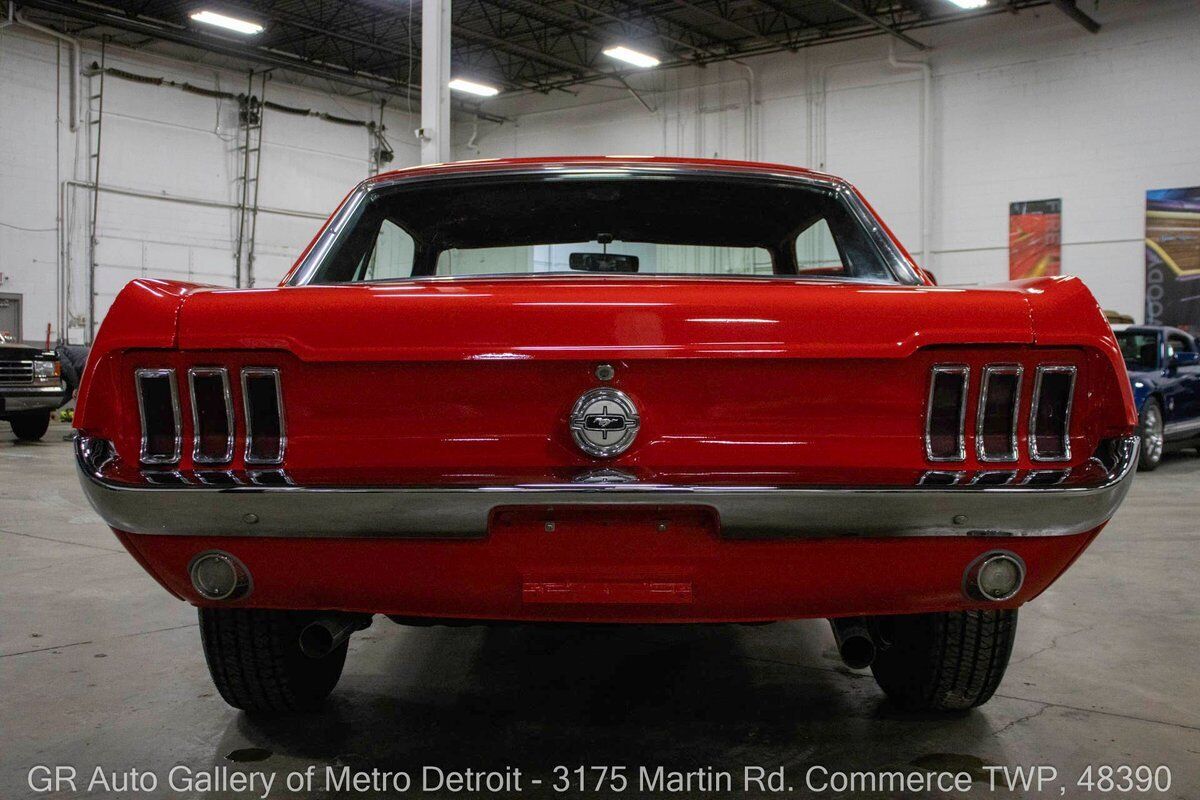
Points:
[[263, 402], [212, 415], [158, 409], [998, 413], [1000, 398], [946, 413], [1050, 416]]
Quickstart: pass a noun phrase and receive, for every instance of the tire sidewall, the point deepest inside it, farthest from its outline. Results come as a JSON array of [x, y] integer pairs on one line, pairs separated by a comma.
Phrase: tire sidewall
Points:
[[1148, 462]]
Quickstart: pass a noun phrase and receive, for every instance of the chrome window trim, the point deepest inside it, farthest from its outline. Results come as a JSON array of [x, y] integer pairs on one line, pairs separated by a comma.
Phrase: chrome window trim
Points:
[[273, 372], [948, 369], [903, 270], [980, 450], [169, 373], [1042, 370], [197, 457]]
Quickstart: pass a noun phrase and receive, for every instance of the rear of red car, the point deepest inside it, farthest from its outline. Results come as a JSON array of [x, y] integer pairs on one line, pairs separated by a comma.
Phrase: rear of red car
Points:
[[516, 395]]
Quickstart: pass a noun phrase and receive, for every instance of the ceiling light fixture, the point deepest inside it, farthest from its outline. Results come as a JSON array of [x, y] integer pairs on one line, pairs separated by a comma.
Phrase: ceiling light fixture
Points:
[[622, 53], [228, 23], [969, 4], [471, 87]]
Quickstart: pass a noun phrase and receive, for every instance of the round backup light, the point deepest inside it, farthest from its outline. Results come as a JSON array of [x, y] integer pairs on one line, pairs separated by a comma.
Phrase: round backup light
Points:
[[995, 576], [219, 576]]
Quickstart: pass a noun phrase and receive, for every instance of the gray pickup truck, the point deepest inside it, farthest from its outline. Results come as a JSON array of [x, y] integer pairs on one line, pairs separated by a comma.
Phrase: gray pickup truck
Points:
[[31, 386]]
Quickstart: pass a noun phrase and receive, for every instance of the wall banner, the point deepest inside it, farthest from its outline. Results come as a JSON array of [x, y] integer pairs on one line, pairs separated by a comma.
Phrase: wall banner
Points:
[[1034, 238], [1173, 258]]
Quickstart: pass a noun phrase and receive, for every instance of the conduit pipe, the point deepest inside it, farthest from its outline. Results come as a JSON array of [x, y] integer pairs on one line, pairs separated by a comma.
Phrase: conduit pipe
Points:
[[820, 151], [752, 121], [926, 146], [76, 60], [820, 131]]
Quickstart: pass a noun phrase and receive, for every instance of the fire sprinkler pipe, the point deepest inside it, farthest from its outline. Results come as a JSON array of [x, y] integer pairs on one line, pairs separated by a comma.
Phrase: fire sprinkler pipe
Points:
[[76, 60]]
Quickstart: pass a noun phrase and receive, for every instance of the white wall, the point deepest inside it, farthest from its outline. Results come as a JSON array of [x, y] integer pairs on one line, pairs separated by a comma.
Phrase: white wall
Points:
[[1025, 107], [163, 141]]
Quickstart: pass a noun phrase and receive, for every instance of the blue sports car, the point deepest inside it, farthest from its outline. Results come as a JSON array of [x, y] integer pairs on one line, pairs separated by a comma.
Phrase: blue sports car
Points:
[[1164, 368]]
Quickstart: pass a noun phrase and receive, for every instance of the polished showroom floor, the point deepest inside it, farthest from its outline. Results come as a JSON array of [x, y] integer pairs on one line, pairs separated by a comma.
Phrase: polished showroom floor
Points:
[[99, 666]]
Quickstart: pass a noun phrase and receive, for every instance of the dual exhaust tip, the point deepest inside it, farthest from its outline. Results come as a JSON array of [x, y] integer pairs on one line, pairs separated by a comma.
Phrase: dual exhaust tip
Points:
[[217, 575], [995, 576]]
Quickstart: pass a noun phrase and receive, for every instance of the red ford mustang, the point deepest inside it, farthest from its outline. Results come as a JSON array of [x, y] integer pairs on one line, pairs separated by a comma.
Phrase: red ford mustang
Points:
[[606, 390]]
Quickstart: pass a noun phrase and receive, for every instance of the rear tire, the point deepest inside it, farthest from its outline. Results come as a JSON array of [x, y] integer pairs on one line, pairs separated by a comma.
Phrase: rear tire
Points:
[[30, 427], [943, 662], [255, 660], [1150, 431]]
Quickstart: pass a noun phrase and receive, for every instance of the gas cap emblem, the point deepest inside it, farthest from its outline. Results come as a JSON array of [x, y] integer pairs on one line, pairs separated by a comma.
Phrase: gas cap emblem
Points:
[[604, 422]]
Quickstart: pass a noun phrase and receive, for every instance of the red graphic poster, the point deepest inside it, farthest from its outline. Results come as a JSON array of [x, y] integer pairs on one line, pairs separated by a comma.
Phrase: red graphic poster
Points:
[[1034, 238], [1173, 257]]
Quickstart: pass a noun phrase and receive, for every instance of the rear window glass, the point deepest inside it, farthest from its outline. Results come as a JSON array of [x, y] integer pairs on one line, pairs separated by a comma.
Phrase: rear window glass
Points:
[[590, 225]]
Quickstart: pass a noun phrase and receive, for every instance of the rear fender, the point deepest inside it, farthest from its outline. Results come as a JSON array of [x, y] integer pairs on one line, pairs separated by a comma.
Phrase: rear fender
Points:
[[144, 315]]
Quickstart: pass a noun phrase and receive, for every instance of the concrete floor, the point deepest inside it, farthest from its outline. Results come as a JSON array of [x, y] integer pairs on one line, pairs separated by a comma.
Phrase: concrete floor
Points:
[[100, 667]]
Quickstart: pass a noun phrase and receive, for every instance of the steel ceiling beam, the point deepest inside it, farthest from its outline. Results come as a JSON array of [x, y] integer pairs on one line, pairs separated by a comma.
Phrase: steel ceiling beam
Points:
[[255, 55], [1069, 8], [878, 23], [689, 46]]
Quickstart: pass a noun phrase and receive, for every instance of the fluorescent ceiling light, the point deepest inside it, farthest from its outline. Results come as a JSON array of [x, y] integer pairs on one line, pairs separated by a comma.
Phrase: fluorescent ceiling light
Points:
[[229, 23], [471, 87], [969, 4], [622, 53]]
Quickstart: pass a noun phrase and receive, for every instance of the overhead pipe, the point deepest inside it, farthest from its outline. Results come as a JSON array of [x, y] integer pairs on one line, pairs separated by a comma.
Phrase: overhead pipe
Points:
[[926, 146], [752, 119], [819, 131], [76, 59]]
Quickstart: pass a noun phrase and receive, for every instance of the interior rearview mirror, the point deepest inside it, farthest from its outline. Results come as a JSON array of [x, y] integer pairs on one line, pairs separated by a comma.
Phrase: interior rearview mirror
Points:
[[603, 262]]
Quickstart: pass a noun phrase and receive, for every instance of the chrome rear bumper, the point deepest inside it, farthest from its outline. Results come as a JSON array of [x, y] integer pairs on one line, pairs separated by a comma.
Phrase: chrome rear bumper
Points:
[[745, 512], [22, 399]]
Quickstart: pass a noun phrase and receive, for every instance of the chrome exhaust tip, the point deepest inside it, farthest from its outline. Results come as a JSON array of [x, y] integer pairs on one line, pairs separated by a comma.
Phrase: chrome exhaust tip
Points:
[[217, 575], [995, 576], [327, 633], [855, 644]]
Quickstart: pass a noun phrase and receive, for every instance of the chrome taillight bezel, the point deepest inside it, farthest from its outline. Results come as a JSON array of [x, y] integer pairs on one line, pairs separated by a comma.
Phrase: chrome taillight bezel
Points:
[[144, 455], [981, 451], [273, 373], [1048, 369], [964, 371], [198, 456]]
